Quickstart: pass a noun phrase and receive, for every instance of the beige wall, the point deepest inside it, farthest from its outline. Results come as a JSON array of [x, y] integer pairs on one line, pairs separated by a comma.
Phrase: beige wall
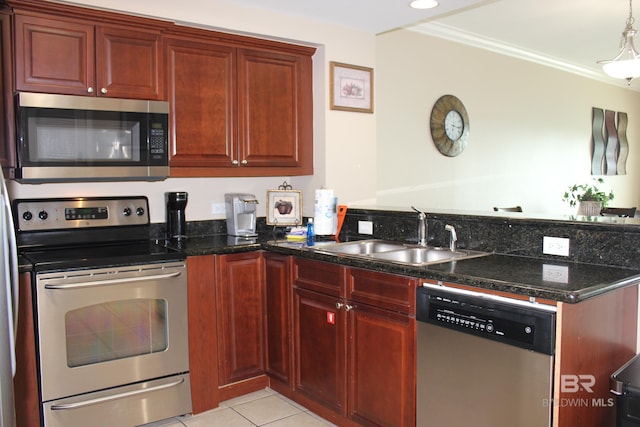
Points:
[[530, 128], [345, 152], [530, 125]]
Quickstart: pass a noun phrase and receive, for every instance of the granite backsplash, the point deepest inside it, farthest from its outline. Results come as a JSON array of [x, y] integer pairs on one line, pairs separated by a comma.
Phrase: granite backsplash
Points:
[[604, 241]]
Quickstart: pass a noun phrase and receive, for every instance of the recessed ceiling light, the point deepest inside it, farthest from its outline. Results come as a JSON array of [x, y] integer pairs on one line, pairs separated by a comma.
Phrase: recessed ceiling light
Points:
[[423, 4]]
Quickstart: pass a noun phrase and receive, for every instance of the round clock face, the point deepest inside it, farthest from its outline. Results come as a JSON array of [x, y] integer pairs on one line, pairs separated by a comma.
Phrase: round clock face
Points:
[[453, 125], [449, 125]]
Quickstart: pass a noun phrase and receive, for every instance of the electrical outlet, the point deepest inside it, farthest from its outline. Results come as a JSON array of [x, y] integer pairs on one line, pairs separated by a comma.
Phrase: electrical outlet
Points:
[[555, 273], [365, 227], [218, 208], [555, 246]]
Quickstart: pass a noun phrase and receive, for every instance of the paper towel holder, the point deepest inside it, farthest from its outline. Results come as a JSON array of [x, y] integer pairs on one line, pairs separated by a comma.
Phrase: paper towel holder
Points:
[[284, 206]]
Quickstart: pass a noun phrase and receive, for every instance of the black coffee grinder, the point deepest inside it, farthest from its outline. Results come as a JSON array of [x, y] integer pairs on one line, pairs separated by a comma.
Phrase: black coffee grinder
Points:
[[176, 219]]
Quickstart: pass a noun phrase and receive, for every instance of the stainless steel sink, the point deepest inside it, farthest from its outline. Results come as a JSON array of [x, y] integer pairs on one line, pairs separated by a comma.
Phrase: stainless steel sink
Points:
[[361, 247], [426, 255], [396, 252]]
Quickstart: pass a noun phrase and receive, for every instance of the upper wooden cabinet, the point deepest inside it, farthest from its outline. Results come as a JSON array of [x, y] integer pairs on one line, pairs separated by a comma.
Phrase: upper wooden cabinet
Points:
[[240, 106], [72, 56]]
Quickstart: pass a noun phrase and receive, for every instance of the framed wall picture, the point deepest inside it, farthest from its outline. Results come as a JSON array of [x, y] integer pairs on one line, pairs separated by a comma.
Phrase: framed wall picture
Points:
[[351, 87], [284, 207]]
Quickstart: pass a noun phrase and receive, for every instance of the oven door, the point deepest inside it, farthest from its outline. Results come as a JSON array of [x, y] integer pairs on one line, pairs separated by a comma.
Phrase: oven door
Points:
[[108, 327]]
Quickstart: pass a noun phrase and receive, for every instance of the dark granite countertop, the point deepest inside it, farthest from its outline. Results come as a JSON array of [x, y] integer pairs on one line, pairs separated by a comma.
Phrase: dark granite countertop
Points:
[[555, 280], [215, 244], [541, 278]]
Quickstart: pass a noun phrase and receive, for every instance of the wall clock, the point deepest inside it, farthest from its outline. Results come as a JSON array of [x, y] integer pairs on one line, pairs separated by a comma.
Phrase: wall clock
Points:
[[449, 125]]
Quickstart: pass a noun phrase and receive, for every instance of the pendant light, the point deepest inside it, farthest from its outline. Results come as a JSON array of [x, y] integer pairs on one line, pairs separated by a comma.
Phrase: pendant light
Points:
[[626, 65]]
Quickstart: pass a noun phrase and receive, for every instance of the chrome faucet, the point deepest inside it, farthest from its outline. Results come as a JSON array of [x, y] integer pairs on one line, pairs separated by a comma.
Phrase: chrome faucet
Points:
[[453, 238], [422, 227]]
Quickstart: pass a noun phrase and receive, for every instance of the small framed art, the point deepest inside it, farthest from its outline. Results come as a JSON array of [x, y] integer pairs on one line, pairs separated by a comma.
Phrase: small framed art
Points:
[[284, 207], [351, 87]]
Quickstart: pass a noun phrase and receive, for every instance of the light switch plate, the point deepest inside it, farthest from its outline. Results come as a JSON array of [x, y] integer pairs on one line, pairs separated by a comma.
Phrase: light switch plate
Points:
[[365, 227], [555, 246]]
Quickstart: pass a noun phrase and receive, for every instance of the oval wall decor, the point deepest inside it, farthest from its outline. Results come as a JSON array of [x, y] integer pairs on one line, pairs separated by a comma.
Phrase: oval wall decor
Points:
[[449, 125]]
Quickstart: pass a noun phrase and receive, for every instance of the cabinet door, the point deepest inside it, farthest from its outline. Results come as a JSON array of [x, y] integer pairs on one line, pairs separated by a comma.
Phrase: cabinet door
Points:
[[279, 303], [274, 95], [240, 290], [201, 91], [381, 367], [52, 55], [320, 350], [128, 63], [203, 356]]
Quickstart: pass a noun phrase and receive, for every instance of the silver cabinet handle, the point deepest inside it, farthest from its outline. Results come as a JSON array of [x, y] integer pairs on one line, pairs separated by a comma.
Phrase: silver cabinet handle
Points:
[[348, 307], [112, 281], [339, 305], [235, 162], [97, 400], [89, 89], [244, 162], [103, 90]]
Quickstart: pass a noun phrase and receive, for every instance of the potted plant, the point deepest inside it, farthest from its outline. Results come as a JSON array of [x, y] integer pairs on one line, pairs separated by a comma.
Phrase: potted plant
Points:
[[589, 198]]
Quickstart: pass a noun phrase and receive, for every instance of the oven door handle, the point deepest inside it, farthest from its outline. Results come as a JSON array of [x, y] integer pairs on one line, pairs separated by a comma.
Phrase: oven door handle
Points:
[[112, 281], [82, 404]]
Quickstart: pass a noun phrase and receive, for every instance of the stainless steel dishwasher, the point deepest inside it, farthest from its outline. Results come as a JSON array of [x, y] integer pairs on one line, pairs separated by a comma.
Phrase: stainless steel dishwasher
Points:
[[483, 360]]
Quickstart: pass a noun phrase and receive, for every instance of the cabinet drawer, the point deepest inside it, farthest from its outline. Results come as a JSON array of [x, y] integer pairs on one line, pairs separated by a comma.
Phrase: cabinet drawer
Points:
[[382, 290], [322, 277]]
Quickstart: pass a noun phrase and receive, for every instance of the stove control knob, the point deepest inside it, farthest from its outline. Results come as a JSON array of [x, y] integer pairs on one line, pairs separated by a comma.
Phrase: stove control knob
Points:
[[140, 211], [43, 215], [126, 212], [27, 216]]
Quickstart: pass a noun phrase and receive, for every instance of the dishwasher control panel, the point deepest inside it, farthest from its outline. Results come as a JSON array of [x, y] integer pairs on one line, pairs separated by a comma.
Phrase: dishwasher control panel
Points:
[[520, 324]]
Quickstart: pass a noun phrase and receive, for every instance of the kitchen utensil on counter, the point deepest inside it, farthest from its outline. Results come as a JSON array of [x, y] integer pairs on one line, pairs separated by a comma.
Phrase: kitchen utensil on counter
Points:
[[176, 219], [342, 212], [241, 214]]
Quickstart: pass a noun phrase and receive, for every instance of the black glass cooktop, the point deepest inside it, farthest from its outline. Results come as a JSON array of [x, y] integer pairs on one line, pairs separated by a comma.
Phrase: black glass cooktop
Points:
[[81, 257]]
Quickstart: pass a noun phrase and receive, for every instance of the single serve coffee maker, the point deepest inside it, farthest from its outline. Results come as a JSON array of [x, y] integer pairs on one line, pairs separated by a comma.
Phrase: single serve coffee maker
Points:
[[241, 214], [176, 219]]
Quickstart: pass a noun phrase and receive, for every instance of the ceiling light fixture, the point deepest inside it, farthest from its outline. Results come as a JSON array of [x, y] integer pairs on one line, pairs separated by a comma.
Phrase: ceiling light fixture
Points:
[[423, 4], [626, 65]]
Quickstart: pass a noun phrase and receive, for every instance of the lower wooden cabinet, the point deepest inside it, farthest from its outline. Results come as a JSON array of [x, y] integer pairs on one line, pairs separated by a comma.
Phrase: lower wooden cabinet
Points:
[[203, 342], [279, 326], [320, 349], [355, 358], [241, 316], [381, 367]]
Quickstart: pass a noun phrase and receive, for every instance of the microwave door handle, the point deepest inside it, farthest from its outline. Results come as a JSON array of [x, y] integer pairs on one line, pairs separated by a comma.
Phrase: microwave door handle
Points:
[[97, 400], [109, 282]]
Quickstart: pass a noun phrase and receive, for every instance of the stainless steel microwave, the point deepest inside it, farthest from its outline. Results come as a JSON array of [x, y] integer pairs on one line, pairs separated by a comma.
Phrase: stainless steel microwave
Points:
[[79, 138]]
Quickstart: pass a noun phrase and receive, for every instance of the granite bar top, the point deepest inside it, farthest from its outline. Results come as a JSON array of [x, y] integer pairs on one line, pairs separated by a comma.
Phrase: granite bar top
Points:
[[540, 278]]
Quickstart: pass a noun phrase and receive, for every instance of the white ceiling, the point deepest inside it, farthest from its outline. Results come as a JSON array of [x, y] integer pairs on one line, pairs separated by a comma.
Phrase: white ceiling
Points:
[[570, 34]]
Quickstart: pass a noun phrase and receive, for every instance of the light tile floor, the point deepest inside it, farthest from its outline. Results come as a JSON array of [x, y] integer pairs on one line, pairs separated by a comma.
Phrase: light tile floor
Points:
[[261, 408]]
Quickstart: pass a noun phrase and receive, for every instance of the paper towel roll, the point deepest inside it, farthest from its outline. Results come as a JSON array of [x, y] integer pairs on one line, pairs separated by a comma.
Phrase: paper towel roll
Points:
[[325, 213]]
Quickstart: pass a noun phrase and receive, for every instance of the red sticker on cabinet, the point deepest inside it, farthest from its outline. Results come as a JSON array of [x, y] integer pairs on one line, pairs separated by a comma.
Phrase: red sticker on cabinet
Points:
[[331, 318]]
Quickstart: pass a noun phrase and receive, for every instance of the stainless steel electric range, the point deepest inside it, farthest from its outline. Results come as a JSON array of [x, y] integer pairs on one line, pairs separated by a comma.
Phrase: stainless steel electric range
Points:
[[110, 312]]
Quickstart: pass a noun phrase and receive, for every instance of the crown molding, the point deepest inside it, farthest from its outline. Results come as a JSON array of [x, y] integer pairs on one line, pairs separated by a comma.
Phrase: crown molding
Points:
[[453, 34]]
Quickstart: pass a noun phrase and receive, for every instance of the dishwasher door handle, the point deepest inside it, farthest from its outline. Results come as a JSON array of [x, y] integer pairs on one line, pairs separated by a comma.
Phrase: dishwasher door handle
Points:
[[491, 297]]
